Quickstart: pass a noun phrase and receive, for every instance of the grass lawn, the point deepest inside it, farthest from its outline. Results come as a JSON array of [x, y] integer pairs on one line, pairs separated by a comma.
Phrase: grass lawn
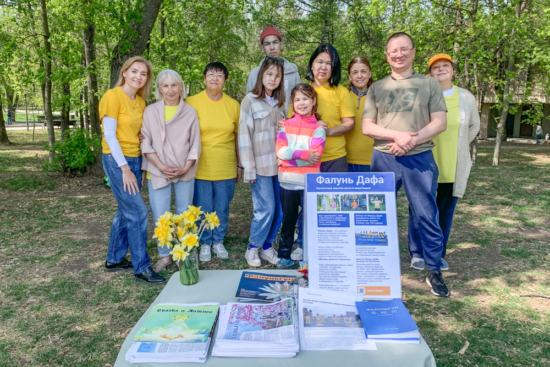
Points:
[[59, 308]]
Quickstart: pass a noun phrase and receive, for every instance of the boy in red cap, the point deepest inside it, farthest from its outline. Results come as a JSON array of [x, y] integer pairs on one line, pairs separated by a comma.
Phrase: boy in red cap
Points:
[[271, 44]]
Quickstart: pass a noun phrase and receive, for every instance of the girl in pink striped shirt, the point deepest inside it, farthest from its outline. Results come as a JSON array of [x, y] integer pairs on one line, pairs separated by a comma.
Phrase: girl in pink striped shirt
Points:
[[299, 148]]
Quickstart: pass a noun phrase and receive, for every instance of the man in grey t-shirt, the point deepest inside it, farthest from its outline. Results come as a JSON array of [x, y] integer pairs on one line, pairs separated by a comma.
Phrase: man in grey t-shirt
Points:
[[403, 113]]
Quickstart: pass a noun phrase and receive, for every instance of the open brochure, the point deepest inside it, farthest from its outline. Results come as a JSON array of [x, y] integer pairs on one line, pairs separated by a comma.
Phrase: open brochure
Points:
[[329, 320], [257, 330]]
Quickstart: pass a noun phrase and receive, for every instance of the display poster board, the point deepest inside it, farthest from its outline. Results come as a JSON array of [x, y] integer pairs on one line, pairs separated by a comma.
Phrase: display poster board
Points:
[[351, 237]]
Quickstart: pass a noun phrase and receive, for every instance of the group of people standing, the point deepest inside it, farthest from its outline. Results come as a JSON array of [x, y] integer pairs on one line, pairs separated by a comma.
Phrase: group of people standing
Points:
[[418, 127]]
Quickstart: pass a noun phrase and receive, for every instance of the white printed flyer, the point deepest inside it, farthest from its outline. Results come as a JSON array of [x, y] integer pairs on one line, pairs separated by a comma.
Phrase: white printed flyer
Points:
[[352, 243]]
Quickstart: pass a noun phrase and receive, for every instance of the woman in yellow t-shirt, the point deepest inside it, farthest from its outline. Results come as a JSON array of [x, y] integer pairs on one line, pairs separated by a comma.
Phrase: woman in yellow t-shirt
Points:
[[334, 105], [219, 166], [358, 146], [451, 151], [121, 114]]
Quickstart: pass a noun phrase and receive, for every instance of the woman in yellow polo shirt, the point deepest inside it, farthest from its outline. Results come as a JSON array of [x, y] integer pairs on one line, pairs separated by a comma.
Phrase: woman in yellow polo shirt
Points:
[[335, 106], [451, 151], [358, 146], [219, 166], [121, 112]]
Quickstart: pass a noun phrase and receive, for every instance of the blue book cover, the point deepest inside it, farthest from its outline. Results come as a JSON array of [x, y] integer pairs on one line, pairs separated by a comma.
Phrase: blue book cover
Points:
[[265, 287], [385, 317]]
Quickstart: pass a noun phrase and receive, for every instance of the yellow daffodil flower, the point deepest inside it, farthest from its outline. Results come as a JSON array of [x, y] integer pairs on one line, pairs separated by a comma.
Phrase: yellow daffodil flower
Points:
[[196, 211], [178, 253], [164, 235], [177, 219], [190, 240], [164, 220], [212, 220]]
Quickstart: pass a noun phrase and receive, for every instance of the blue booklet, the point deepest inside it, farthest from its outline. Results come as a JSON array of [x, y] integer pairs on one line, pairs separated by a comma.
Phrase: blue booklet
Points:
[[265, 287], [387, 320]]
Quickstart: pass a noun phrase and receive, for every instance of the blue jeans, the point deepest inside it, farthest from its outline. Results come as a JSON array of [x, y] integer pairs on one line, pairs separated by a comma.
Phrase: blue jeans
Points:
[[446, 204], [358, 167], [214, 196], [129, 228], [268, 214], [160, 201], [418, 175], [9, 120]]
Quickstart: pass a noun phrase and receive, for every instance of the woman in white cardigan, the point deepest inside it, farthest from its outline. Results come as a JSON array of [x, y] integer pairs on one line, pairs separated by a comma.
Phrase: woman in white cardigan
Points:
[[171, 147], [451, 151]]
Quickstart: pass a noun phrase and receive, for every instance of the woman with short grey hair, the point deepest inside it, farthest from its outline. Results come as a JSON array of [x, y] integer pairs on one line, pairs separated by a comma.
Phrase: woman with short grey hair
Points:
[[171, 147]]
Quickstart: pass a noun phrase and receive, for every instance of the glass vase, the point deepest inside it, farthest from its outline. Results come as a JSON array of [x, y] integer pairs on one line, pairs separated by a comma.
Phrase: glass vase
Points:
[[189, 269]]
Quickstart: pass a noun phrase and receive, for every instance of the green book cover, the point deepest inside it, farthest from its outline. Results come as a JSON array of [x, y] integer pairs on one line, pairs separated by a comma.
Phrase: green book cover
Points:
[[178, 324]]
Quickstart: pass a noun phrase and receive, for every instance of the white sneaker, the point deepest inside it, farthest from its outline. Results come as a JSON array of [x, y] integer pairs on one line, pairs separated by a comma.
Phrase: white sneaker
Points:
[[251, 256], [220, 251], [205, 254], [297, 254], [270, 256]]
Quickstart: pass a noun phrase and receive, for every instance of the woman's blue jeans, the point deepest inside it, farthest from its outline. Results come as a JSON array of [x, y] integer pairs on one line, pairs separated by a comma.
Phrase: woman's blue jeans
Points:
[[160, 200], [129, 228], [214, 196], [268, 214]]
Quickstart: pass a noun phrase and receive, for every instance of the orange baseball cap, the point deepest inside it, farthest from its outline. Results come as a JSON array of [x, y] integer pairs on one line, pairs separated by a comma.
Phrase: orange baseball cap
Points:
[[439, 57]]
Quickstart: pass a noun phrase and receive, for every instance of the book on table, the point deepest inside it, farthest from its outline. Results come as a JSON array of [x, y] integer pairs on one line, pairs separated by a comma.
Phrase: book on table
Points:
[[252, 330], [174, 333], [388, 322], [265, 287]]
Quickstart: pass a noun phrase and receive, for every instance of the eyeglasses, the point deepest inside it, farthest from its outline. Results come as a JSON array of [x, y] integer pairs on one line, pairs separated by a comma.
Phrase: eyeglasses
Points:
[[278, 59], [212, 75], [403, 50]]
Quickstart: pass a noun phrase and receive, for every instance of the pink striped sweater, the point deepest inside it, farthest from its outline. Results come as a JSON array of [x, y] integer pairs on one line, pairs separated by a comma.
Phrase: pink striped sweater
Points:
[[294, 142]]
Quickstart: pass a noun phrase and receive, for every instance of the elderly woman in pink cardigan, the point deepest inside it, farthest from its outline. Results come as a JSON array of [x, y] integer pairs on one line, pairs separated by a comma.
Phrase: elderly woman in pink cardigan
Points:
[[171, 147]]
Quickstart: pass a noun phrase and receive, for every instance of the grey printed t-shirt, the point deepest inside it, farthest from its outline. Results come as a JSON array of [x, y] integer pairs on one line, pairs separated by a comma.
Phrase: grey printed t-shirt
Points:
[[404, 105]]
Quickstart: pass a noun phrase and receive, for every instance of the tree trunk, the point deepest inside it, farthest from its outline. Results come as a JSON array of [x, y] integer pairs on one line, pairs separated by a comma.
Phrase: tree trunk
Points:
[[163, 40], [65, 109], [38, 46], [135, 40], [4, 140], [11, 101], [520, 7], [89, 50], [48, 76], [93, 103], [505, 107]]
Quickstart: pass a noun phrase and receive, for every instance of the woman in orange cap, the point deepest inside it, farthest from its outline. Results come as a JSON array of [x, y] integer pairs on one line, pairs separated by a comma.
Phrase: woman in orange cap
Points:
[[451, 151]]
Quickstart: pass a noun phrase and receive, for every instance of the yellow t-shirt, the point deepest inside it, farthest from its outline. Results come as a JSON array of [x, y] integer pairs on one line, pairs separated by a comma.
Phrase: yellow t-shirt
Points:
[[446, 144], [219, 122], [129, 115], [169, 112], [358, 146]]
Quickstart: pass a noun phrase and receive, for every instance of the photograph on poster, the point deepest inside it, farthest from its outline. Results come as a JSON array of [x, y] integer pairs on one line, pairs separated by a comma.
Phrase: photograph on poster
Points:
[[370, 237], [319, 318], [377, 203], [328, 202], [354, 202]]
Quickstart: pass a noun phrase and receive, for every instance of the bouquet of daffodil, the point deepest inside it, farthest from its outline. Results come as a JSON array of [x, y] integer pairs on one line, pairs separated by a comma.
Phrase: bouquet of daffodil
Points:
[[182, 234]]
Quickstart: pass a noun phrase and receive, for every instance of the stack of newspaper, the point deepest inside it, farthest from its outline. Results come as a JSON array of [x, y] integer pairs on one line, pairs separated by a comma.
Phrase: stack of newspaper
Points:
[[174, 333], [249, 330], [329, 321]]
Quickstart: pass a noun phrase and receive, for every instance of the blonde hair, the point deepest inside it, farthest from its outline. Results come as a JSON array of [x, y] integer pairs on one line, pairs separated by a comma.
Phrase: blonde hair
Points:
[[144, 91]]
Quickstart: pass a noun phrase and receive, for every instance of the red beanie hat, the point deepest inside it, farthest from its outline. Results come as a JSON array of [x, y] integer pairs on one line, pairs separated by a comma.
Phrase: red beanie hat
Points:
[[270, 31]]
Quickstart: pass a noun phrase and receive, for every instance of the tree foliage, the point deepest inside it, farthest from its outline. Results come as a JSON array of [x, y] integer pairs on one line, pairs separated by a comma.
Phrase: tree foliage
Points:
[[492, 45]]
